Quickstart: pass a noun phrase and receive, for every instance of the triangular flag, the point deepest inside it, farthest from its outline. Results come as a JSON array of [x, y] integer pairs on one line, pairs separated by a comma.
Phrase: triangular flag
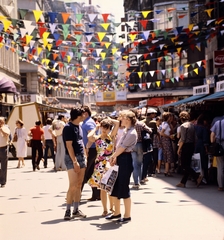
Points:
[[148, 62], [209, 11], [140, 74], [143, 23], [158, 83], [65, 30], [103, 55], [132, 37], [52, 16], [105, 17], [9, 8], [101, 35], [79, 17], [196, 70], [37, 14], [23, 12], [98, 51], [68, 58], [145, 13], [107, 44], [210, 21], [55, 55], [114, 50], [105, 25], [140, 85], [6, 24], [151, 73], [149, 84], [92, 17], [23, 32], [28, 39], [65, 16], [52, 27]]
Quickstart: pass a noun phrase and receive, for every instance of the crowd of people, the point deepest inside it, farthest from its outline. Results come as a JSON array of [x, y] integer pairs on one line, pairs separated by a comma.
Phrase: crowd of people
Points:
[[87, 146]]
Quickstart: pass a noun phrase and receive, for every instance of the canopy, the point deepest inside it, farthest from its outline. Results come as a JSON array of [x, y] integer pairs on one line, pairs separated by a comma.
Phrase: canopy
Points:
[[7, 86], [212, 97], [185, 100]]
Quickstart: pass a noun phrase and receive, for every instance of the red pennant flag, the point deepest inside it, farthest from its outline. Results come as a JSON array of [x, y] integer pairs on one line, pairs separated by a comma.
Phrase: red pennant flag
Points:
[[105, 17], [42, 30], [135, 43], [59, 42], [145, 55], [63, 54], [40, 24], [34, 51], [144, 23], [192, 47], [181, 77]]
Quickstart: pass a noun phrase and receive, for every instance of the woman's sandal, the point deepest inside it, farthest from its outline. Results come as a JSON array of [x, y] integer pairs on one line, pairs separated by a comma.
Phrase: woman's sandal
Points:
[[104, 214]]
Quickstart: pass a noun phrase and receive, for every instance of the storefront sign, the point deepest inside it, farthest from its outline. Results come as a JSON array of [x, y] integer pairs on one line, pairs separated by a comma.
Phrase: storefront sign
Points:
[[143, 103], [109, 96], [219, 59], [160, 94], [203, 89], [26, 98], [121, 95]]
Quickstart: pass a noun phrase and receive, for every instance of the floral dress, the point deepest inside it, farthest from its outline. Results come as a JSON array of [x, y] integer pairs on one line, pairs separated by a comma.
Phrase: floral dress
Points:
[[104, 149]]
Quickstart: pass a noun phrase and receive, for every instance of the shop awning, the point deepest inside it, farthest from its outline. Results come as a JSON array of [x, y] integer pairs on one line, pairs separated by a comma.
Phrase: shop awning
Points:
[[212, 97], [7, 86], [184, 101]]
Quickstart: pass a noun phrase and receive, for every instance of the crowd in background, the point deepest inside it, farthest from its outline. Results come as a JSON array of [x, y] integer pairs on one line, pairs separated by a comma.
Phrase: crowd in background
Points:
[[142, 145]]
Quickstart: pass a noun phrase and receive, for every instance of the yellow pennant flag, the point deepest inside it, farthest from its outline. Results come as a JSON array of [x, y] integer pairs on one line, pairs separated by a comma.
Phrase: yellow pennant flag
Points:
[[39, 50], [91, 70], [37, 14], [145, 13], [97, 66], [198, 47], [103, 55], [28, 39], [158, 83], [107, 44], [132, 37], [190, 26], [196, 70], [148, 62], [6, 24], [114, 50], [178, 50], [187, 65], [125, 57], [209, 11], [45, 35], [2, 17], [101, 35], [47, 61], [45, 42], [196, 32], [140, 74], [69, 58], [105, 25], [49, 46], [1, 45]]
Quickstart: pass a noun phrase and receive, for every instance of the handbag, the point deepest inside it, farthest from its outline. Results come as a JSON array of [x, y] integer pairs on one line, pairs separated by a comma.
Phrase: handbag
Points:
[[216, 149], [109, 178], [29, 143], [12, 149], [196, 162], [15, 137]]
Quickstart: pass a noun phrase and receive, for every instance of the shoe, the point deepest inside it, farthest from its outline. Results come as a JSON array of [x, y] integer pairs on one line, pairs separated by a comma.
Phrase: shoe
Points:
[[111, 217], [18, 166], [142, 182], [180, 185], [124, 220], [136, 186], [67, 216], [220, 189], [38, 168], [2, 185], [199, 180], [45, 166], [78, 213]]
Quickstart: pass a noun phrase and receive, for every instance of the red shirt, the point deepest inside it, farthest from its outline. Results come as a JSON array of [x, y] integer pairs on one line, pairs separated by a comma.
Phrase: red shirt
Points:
[[37, 132]]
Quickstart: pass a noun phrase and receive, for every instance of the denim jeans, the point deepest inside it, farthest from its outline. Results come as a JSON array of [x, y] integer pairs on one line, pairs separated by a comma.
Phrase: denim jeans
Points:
[[137, 160], [49, 145]]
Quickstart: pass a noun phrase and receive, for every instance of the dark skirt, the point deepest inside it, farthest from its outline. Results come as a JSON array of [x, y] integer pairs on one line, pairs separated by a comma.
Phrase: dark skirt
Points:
[[121, 187]]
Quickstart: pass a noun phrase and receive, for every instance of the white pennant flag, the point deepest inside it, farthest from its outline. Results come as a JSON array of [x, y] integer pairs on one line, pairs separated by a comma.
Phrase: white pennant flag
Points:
[[161, 46], [9, 8], [83, 59], [52, 27], [30, 29], [131, 24], [199, 63], [177, 78], [26, 49], [146, 34], [140, 85], [98, 51], [210, 21], [27, 23], [32, 42], [85, 66], [71, 54], [149, 84], [89, 37], [152, 73], [23, 32], [163, 71], [92, 17]]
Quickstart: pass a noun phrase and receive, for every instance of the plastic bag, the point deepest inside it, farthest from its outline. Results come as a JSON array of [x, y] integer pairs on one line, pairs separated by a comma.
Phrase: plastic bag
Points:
[[109, 178]]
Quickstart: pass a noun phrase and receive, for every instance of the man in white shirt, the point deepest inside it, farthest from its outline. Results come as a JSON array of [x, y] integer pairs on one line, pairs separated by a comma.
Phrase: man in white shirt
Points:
[[4, 139], [49, 144]]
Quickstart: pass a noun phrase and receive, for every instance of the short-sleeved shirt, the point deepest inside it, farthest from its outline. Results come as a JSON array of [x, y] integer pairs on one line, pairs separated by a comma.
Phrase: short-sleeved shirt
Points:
[[216, 129], [47, 134], [72, 133], [187, 133], [88, 125], [128, 139], [37, 132], [139, 127]]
